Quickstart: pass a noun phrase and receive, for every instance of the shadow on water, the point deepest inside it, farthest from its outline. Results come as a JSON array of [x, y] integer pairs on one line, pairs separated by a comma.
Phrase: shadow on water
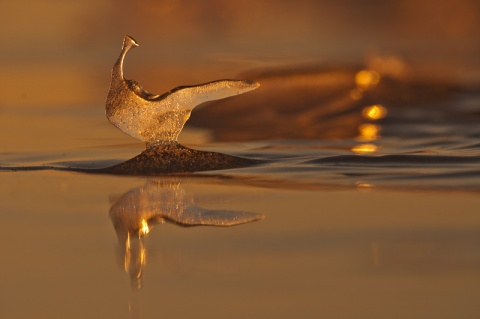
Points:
[[158, 201]]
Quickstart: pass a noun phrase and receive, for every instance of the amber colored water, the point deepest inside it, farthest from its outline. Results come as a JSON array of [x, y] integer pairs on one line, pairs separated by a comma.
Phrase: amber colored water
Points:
[[367, 120], [335, 253]]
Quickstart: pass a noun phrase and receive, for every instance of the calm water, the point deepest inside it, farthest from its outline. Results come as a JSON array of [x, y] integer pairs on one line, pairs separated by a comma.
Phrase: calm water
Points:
[[366, 202]]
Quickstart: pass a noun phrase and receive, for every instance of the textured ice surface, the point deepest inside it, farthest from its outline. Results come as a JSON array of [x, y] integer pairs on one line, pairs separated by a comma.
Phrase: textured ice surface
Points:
[[159, 119]]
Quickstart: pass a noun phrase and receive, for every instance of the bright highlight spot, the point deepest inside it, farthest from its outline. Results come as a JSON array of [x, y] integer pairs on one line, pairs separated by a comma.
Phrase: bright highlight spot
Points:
[[127, 253], [366, 78], [144, 229], [374, 112], [364, 148], [368, 132], [143, 259]]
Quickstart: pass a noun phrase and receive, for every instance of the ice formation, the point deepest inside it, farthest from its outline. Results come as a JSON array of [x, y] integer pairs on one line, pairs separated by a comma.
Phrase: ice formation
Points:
[[159, 119]]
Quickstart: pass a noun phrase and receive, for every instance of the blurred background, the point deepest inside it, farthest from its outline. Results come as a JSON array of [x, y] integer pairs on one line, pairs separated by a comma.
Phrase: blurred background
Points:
[[59, 53]]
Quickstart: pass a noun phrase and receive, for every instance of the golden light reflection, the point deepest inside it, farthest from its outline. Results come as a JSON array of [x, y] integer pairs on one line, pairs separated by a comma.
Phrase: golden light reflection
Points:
[[127, 253], [364, 148], [374, 112], [368, 132], [143, 229], [366, 78], [135, 259], [143, 259]]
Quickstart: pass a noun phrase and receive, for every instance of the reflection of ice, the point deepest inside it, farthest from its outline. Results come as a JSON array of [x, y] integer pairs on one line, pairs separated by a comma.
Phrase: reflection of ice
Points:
[[159, 201], [159, 119]]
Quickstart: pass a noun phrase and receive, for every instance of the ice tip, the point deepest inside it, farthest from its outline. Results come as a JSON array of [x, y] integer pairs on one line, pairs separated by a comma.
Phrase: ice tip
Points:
[[250, 85], [130, 41]]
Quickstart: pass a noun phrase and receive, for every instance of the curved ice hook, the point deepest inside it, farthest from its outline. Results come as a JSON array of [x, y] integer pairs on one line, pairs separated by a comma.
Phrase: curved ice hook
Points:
[[159, 119]]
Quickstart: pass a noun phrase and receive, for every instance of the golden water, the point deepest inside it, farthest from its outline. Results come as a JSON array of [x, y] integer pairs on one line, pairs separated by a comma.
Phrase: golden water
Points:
[[367, 118]]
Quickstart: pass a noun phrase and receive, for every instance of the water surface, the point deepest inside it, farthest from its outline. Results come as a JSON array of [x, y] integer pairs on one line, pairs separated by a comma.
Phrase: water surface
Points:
[[365, 201], [349, 230]]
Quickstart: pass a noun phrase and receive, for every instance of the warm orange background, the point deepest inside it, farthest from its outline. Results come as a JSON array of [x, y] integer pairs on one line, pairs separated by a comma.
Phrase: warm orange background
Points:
[[59, 53]]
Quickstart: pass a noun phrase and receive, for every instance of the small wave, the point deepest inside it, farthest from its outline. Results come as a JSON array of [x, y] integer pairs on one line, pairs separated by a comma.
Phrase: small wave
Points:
[[396, 160]]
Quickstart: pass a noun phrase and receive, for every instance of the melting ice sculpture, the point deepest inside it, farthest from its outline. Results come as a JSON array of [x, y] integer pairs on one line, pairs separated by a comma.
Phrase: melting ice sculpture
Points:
[[162, 200], [159, 119]]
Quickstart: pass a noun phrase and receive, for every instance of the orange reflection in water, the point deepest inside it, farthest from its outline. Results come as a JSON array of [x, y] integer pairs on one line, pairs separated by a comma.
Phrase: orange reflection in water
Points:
[[364, 148], [368, 132], [365, 79], [374, 112], [135, 258]]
